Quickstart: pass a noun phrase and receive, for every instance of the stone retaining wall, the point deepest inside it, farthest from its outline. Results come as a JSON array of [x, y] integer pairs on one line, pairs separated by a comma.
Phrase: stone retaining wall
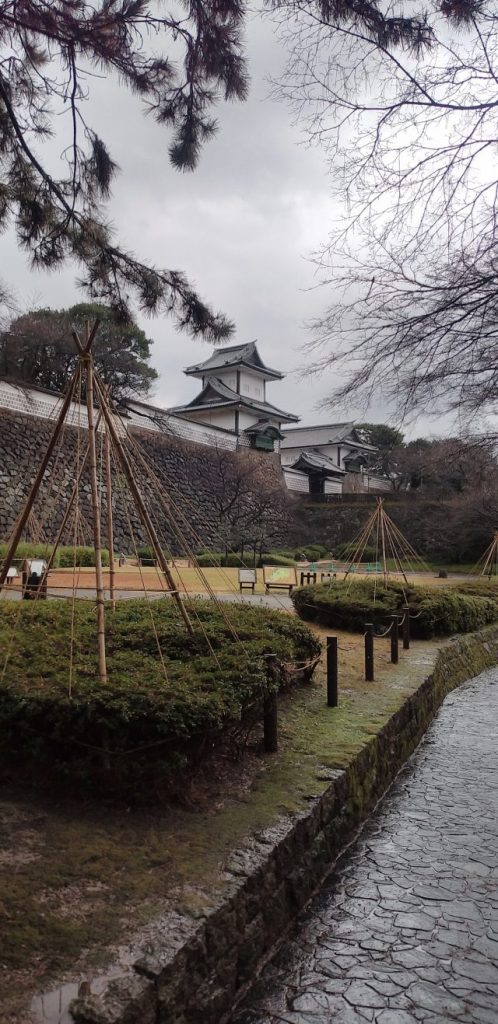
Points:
[[193, 477], [200, 973], [423, 521]]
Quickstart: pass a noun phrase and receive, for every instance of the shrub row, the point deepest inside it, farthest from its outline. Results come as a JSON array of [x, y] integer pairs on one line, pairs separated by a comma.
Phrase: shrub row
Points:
[[68, 557], [145, 725], [217, 558], [64, 556], [346, 551], [483, 587], [439, 611]]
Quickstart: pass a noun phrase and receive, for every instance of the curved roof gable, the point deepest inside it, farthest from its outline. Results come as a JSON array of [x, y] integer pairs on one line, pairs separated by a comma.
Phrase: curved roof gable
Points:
[[233, 357], [217, 395], [314, 462]]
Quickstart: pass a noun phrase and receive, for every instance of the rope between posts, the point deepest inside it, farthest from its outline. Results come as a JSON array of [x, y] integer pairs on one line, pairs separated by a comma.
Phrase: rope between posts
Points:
[[300, 667], [380, 636]]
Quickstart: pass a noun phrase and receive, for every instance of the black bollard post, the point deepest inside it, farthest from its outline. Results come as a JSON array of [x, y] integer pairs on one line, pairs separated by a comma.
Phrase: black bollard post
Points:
[[369, 652], [270, 712], [394, 639], [332, 674], [406, 627]]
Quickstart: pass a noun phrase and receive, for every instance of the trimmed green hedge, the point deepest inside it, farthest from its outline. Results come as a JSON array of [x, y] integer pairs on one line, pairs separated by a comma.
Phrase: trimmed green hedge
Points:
[[26, 550], [439, 611], [272, 558], [64, 556], [478, 588], [313, 552], [217, 558], [139, 727], [84, 557], [346, 551]]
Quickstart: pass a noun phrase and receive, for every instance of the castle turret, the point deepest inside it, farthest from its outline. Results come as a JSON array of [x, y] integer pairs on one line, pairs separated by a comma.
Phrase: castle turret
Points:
[[233, 395]]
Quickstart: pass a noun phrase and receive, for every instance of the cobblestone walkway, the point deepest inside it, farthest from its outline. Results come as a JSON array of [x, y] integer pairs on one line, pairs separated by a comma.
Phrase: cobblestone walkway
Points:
[[406, 929]]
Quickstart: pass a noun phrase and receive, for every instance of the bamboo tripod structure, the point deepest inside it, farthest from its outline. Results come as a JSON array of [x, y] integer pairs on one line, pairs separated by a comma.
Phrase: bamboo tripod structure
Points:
[[95, 390], [490, 564], [390, 544]]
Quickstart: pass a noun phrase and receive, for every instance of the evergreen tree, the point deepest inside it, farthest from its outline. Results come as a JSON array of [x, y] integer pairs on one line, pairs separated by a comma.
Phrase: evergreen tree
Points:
[[38, 349], [46, 50]]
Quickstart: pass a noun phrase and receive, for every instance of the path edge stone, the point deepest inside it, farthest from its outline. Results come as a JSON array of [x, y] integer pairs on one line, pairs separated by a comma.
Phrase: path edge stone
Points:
[[275, 874]]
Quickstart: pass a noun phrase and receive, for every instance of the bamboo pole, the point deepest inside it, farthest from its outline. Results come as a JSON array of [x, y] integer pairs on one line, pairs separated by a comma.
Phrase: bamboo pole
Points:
[[110, 518], [383, 538], [361, 541], [23, 518], [67, 513], [394, 549], [87, 359], [490, 558], [137, 497]]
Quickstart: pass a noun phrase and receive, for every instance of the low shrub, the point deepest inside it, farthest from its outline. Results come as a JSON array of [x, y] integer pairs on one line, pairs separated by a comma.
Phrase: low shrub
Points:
[[148, 722], [146, 555], [207, 558], [436, 612], [232, 561], [26, 550], [272, 558], [217, 558], [65, 557], [347, 551], [80, 556], [312, 552], [483, 587]]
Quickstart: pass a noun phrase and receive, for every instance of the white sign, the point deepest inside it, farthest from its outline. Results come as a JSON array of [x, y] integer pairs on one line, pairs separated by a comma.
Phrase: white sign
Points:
[[247, 576]]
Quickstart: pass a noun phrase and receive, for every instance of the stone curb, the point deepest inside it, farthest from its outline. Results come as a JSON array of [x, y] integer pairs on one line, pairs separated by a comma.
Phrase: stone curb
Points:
[[200, 973]]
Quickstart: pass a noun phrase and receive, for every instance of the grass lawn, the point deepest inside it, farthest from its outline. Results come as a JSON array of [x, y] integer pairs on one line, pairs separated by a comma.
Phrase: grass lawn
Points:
[[192, 581]]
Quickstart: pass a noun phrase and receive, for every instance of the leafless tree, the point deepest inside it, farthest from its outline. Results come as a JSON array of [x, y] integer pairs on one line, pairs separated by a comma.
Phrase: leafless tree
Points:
[[445, 468], [251, 502], [410, 130]]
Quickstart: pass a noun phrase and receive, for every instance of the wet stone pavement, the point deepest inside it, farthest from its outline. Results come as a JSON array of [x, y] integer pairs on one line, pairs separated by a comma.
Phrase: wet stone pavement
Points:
[[406, 929]]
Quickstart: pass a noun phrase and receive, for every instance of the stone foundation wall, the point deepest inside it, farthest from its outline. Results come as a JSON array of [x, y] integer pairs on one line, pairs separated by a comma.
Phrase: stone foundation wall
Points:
[[192, 480], [274, 876], [423, 522]]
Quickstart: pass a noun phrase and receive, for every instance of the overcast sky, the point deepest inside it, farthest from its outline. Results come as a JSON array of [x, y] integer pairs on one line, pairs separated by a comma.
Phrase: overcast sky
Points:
[[242, 227]]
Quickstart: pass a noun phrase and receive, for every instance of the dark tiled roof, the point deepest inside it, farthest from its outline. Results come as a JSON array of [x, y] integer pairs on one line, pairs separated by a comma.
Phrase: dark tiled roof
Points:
[[333, 433], [223, 396], [261, 427], [235, 355], [313, 461]]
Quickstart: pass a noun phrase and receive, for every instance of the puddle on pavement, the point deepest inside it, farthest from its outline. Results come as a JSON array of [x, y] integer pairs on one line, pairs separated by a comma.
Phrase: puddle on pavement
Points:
[[53, 1007]]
